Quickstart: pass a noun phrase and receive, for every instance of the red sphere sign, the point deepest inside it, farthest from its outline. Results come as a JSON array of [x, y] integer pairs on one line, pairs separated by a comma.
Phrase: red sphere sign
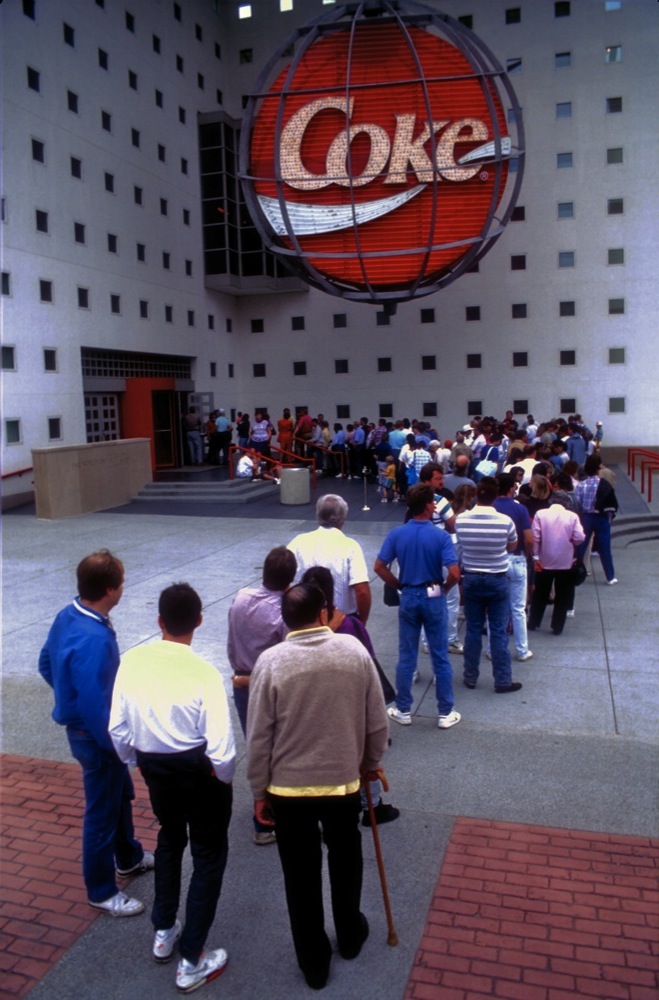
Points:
[[378, 160]]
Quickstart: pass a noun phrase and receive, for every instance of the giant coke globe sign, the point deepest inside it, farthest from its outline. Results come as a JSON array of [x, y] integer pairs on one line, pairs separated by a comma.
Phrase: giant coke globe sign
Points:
[[382, 151]]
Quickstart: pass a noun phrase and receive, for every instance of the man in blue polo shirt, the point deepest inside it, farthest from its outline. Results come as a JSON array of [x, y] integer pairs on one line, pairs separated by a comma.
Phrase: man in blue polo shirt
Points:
[[422, 553]]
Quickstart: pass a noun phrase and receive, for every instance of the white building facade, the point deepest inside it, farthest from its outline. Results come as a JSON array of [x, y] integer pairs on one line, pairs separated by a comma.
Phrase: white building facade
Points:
[[111, 325]]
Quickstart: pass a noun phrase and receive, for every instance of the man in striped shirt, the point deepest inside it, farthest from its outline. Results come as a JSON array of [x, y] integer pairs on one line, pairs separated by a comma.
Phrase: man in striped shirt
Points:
[[485, 537]]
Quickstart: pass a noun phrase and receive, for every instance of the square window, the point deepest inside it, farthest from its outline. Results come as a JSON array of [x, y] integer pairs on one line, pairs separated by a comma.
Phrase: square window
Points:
[[562, 59], [518, 262], [211, 321], [163, 206], [614, 155], [179, 63], [520, 406], [299, 368], [169, 314], [106, 121], [382, 319], [78, 232], [474, 361], [83, 298], [132, 80], [386, 411], [138, 195], [342, 411], [161, 152], [340, 321], [257, 325], [188, 271], [177, 11], [230, 370], [38, 151], [564, 161], [566, 258], [567, 358], [472, 313], [518, 214], [613, 105], [258, 371], [144, 309], [567, 308], [109, 183], [41, 221], [68, 34], [384, 364], [8, 358], [184, 165], [33, 79], [297, 322], [568, 405], [28, 9], [615, 206], [229, 325], [201, 83], [617, 355], [213, 369], [218, 50], [616, 307], [474, 407], [245, 56], [103, 60], [181, 115], [428, 409], [514, 65], [428, 362], [130, 21], [45, 290], [135, 137], [190, 317], [5, 286], [186, 216], [198, 33], [562, 8], [160, 100], [616, 404], [155, 44], [341, 366], [616, 255], [219, 96], [519, 310], [613, 54], [72, 101], [166, 260], [112, 243], [467, 20], [565, 210], [76, 167], [513, 15], [564, 109], [141, 252], [12, 432], [115, 304], [427, 315], [520, 359]]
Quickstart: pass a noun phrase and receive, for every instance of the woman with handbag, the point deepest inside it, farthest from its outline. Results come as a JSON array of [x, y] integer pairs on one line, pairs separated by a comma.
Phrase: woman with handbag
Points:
[[557, 532]]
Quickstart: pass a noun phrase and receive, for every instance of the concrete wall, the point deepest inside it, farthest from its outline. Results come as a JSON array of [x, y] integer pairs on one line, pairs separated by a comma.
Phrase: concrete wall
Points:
[[78, 479]]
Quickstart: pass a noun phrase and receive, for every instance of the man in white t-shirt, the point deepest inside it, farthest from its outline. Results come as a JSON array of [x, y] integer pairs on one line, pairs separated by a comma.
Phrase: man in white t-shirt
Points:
[[329, 546]]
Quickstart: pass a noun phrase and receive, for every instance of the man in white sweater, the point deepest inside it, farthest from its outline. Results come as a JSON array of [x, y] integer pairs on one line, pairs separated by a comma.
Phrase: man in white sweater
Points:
[[316, 724]]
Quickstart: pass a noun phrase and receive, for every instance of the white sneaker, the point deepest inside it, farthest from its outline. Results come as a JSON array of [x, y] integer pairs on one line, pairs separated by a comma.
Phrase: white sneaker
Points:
[[526, 656], [120, 905], [416, 678], [145, 865], [446, 721], [456, 647], [570, 614], [211, 964], [612, 583], [164, 941], [402, 718]]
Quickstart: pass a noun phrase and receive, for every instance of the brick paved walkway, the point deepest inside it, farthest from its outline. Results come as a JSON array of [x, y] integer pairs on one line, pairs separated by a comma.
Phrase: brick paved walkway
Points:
[[531, 913], [43, 903], [518, 912]]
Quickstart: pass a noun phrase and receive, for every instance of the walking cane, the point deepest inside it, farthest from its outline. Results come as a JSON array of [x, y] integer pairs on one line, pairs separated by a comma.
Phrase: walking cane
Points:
[[392, 938]]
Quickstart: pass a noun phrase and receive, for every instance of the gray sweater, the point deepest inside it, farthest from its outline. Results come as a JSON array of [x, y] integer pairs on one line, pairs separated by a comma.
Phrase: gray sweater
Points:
[[316, 713]]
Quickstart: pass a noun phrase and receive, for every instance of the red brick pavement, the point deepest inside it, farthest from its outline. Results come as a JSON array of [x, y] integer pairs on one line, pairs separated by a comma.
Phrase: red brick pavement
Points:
[[533, 913], [43, 903], [518, 912]]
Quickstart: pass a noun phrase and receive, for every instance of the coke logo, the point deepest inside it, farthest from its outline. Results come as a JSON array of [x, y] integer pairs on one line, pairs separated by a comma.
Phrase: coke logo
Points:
[[378, 160]]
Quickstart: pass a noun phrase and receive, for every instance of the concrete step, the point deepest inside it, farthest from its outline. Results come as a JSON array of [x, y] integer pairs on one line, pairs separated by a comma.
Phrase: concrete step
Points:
[[632, 528], [231, 491]]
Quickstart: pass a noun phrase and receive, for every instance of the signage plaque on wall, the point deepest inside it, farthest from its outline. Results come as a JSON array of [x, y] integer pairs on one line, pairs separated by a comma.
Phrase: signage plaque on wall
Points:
[[384, 156]]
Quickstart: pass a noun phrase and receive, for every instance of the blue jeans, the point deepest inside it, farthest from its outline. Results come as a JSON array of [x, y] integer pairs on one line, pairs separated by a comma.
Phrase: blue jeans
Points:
[[487, 595], [518, 588], [416, 610], [107, 832], [600, 526]]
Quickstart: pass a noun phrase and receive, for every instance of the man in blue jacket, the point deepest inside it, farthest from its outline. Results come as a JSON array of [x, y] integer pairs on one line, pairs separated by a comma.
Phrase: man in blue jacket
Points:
[[80, 661]]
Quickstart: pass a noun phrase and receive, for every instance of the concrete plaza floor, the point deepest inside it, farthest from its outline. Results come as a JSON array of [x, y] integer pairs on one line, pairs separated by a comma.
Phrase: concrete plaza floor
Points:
[[576, 750]]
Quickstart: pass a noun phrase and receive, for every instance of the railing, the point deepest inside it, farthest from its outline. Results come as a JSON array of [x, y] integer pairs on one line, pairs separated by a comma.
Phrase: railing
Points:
[[18, 472], [649, 464], [273, 462], [337, 457]]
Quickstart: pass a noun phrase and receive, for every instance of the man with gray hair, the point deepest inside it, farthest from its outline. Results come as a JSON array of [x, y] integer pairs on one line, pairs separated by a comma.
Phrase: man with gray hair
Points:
[[328, 546]]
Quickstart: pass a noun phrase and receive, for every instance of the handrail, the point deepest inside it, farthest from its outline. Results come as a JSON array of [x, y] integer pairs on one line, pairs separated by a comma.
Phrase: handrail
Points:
[[649, 464], [18, 472], [286, 465]]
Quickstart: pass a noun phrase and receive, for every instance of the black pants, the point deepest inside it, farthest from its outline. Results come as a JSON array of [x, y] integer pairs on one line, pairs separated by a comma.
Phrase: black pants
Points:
[[563, 597], [299, 823], [186, 796]]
